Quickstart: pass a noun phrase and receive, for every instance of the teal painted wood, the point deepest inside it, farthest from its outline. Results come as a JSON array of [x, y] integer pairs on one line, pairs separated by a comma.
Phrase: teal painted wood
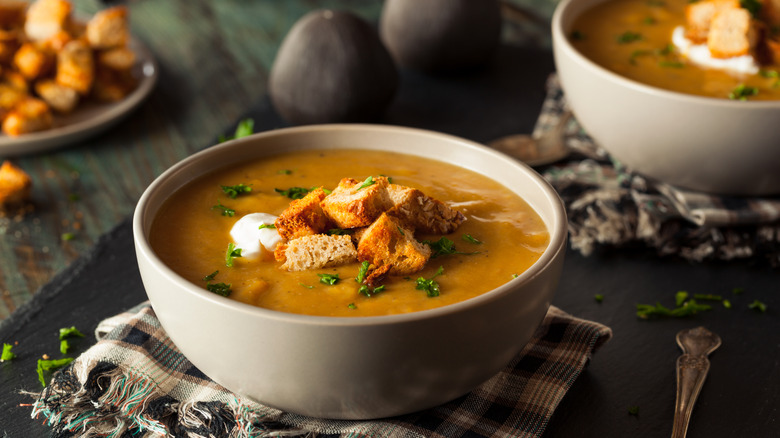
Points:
[[214, 58]]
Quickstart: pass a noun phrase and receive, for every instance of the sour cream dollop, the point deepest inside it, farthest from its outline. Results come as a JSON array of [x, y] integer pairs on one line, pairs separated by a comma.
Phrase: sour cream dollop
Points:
[[699, 54], [254, 241]]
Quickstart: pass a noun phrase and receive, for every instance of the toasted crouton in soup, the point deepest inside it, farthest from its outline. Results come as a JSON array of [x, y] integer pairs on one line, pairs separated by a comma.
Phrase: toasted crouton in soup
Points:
[[76, 67], [108, 28], [388, 242], [303, 217], [29, 115], [354, 204], [59, 98], [15, 184], [45, 18], [699, 15], [318, 251], [421, 212], [732, 33]]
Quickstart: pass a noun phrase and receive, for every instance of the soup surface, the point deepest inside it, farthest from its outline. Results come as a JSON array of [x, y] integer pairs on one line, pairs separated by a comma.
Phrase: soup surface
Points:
[[500, 238], [633, 38]]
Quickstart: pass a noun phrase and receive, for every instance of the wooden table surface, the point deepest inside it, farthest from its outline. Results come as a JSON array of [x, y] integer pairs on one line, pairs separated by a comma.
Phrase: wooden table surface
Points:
[[214, 58]]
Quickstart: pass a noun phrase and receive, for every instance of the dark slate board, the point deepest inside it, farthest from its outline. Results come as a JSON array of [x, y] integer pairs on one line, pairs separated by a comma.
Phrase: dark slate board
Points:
[[636, 368]]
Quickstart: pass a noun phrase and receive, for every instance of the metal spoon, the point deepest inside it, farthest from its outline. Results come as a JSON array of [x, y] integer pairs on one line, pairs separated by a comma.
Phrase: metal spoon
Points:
[[692, 368], [546, 148]]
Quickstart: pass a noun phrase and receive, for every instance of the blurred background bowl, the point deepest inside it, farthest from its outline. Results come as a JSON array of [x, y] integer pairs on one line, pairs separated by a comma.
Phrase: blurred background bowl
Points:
[[705, 144], [353, 368]]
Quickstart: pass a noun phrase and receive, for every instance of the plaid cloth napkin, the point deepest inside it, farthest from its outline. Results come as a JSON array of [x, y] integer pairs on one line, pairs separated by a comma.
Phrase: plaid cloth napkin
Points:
[[611, 207], [133, 382]]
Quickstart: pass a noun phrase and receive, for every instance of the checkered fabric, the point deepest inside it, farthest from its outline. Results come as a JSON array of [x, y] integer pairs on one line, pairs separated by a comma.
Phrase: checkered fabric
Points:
[[609, 206], [134, 382]]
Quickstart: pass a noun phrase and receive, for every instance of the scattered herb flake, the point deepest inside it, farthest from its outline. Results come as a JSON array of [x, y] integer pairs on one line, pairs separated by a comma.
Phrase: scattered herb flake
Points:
[[305, 285], [238, 189], [223, 289], [370, 292], [337, 232], [599, 298], [362, 272], [70, 332], [444, 246], [64, 346], [231, 253], [742, 92], [271, 226], [727, 304], [629, 37], [50, 365], [329, 279], [680, 297], [633, 410], [430, 286], [690, 307], [7, 353], [368, 182], [671, 64], [471, 239], [68, 236], [352, 306], [285, 172], [211, 276], [294, 192], [757, 306], [400, 230], [225, 211], [649, 20], [515, 275], [244, 128]]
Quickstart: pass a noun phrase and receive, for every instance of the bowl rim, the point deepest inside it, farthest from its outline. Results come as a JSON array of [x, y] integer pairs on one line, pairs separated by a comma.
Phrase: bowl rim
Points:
[[558, 231], [561, 42]]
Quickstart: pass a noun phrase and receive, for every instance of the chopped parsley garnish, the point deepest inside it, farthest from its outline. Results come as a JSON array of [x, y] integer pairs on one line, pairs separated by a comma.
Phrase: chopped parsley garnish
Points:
[[362, 272], [305, 285], [285, 172], [223, 289], [727, 304], [64, 346], [368, 182], [771, 74], [629, 37], [389, 178], [400, 230], [329, 279], [211, 276], [70, 332], [680, 297], [444, 246], [238, 189], [757, 306], [599, 298], [49, 365], [370, 292], [229, 212], [671, 64], [649, 20], [245, 127], [294, 192], [352, 306], [471, 239], [231, 253], [7, 353], [430, 286], [742, 92], [271, 226], [337, 232]]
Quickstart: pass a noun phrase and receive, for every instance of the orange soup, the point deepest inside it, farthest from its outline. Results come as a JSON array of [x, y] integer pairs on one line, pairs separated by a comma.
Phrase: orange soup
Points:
[[500, 238], [633, 38]]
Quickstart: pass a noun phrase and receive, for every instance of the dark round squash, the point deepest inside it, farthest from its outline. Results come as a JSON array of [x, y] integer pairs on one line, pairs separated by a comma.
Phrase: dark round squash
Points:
[[332, 67], [441, 35]]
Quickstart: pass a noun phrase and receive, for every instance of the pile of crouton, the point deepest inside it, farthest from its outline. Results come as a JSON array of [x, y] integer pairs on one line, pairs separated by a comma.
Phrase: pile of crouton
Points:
[[381, 219], [730, 30], [49, 61]]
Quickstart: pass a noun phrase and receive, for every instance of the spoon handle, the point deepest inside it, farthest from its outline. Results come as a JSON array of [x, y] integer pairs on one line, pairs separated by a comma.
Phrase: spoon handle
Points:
[[691, 372]]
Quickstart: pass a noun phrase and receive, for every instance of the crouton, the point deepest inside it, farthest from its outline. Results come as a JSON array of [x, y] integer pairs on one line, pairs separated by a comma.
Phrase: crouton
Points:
[[699, 15], [732, 33], [388, 242], [121, 59], [29, 115], [15, 184], [303, 217], [12, 13], [108, 28], [422, 212], [318, 251], [354, 204], [45, 18], [76, 67], [57, 41], [33, 61], [9, 97], [112, 85], [59, 98]]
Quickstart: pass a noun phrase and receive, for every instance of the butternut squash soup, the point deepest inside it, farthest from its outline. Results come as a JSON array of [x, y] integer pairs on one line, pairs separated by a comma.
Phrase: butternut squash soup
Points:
[[483, 234], [716, 48]]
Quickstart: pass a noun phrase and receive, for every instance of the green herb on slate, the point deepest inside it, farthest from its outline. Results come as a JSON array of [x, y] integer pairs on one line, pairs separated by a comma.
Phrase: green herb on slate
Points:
[[599, 298], [7, 354], [757, 306], [245, 128], [50, 365], [70, 332]]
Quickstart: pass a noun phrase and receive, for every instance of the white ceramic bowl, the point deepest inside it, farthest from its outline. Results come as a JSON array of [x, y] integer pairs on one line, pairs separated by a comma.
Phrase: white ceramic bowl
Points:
[[353, 368], [700, 143]]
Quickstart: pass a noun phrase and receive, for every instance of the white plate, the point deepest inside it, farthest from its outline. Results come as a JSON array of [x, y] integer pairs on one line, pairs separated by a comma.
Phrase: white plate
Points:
[[89, 118]]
